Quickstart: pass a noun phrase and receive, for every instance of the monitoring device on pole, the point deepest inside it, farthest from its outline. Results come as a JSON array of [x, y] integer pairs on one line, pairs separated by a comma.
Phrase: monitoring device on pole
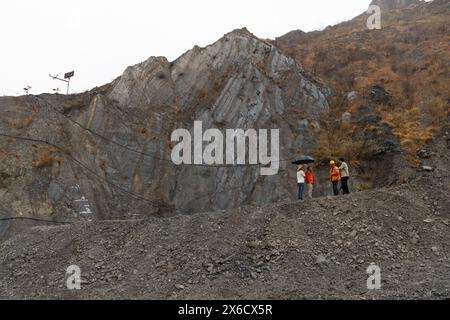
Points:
[[69, 75], [27, 89], [66, 79]]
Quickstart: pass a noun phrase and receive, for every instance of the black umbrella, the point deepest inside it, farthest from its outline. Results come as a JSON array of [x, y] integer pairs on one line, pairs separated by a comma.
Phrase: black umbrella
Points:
[[303, 160]]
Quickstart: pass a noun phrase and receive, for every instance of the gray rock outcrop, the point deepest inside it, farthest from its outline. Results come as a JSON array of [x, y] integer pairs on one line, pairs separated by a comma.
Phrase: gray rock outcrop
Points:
[[113, 143]]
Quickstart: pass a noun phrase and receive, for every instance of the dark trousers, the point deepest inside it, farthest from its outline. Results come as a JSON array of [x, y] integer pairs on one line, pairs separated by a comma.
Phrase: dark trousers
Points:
[[335, 187], [301, 191], [344, 185]]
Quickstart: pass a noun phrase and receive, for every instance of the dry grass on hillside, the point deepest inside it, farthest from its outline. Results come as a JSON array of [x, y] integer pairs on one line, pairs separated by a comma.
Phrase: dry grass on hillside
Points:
[[45, 157], [409, 57]]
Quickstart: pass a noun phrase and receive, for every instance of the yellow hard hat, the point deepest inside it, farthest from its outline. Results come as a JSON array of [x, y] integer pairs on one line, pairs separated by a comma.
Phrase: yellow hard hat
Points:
[[332, 162]]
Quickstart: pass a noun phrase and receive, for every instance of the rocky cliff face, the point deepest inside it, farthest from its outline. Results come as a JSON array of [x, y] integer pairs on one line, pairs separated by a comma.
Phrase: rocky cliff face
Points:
[[394, 4], [108, 151]]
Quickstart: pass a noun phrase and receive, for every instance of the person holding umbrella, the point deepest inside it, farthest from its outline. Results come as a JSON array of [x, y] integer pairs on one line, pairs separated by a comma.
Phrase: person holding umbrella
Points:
[[301, 182], [301, 175]]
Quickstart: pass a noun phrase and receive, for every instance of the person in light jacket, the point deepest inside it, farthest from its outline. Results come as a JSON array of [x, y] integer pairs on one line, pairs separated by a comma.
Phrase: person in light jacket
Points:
[[345, 175], [301, 182]]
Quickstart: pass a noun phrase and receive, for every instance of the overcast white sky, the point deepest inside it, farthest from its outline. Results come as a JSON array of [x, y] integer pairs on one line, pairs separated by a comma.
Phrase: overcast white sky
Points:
[[100, 38]]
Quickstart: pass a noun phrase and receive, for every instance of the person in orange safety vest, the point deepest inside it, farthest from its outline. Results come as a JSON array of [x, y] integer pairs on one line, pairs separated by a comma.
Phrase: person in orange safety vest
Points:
[[309, 180], [335, 177]]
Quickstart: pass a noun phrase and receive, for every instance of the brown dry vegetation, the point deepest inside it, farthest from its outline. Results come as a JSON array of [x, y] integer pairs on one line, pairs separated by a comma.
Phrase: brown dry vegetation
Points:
[[409, 57], [45, 157], [405, 123], [336, 138], [4, 154], [23, 123]]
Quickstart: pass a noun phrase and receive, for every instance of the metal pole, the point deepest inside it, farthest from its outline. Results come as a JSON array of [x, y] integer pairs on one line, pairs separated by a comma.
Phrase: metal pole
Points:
[[68, 76]]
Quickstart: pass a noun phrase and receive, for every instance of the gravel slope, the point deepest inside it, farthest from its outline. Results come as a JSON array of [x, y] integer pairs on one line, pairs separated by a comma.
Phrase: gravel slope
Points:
[[317, 249]]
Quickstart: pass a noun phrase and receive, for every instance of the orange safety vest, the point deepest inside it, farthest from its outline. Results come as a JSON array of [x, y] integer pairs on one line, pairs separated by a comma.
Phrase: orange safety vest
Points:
[[309, 177], [334, 174]]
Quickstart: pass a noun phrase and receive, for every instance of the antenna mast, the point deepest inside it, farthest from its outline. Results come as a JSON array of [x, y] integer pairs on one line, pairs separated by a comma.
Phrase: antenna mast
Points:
[[27, 89], [66, 79]]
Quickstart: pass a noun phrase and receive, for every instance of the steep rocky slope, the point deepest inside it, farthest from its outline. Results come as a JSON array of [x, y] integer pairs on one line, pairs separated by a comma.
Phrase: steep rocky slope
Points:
[[111, 146]]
